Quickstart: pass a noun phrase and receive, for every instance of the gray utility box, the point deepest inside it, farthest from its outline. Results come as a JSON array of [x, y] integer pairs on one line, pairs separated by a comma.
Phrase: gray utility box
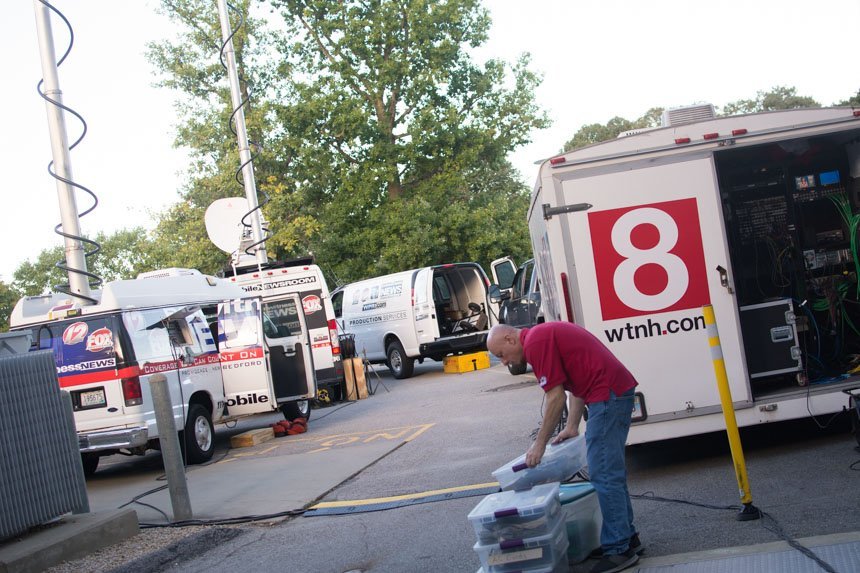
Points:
[[769, 331]]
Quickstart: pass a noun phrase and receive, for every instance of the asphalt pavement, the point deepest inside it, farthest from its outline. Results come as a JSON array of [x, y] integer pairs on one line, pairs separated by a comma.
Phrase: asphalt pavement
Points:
[[437, 431]]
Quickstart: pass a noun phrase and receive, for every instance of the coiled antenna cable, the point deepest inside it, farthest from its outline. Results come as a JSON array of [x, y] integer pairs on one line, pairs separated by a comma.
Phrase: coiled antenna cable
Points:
[[93, 279], [256, 146]]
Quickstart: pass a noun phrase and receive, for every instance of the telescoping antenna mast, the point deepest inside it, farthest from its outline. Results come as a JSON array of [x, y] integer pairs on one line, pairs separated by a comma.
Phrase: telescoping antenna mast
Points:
[[242, 135], [76, 263]]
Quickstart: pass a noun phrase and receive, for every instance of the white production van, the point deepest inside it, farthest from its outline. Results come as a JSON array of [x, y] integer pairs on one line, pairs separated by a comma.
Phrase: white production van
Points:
[[756, 215], [429, 312], [223, 356], [276, 281]]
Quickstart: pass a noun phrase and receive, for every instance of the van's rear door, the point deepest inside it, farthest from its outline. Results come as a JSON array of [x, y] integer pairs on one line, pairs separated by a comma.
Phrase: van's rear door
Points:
[[644, 262], [89, 355], [424, 308], [289, 352], [247, 384]]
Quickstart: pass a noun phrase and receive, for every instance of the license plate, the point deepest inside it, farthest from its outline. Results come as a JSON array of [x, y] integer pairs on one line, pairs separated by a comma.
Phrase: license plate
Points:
[[92, 398]]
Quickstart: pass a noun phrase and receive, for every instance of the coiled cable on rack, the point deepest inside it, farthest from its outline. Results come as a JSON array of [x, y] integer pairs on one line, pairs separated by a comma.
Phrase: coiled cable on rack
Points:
[[94, 280], [256, 146]]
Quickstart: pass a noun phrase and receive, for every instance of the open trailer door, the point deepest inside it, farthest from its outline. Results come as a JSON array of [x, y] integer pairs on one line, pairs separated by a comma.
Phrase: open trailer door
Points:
[[247, 384], [649, 254], [289, 352]]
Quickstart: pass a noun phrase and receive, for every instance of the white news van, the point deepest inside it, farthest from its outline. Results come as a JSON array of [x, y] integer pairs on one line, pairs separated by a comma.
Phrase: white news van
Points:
[[412, 315], [756, 215], [277, 281], [223, 357]]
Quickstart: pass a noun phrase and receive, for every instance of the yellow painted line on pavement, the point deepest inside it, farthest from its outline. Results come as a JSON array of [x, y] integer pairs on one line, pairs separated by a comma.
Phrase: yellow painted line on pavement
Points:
[[352, 502], [386, 433]]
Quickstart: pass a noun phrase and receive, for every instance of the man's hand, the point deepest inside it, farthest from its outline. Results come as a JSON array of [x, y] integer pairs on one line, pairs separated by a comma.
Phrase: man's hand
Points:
[[565, 434], [534, 455]]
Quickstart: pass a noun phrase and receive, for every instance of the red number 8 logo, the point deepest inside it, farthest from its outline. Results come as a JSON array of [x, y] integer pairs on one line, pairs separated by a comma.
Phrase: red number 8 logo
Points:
[[649, 258], [635, 258]]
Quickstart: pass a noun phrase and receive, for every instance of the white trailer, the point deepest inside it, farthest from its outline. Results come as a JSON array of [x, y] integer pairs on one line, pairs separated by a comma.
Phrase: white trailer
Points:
[[757, 215]]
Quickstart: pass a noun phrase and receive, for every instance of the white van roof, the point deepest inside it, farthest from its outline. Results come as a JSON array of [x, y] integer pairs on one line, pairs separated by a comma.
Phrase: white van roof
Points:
[[177, 289]]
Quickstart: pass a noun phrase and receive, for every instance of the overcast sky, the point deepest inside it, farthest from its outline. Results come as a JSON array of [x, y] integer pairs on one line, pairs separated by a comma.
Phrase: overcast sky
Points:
[[599, 59]]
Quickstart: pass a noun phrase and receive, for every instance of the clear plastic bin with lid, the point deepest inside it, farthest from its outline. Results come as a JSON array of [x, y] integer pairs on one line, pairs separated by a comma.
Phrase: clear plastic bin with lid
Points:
[[560, 462], [515, 555], [517, 514]]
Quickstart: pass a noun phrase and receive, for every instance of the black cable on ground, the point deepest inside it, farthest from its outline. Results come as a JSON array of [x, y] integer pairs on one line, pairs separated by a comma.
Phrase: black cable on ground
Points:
[[777, 528], [226, 521]]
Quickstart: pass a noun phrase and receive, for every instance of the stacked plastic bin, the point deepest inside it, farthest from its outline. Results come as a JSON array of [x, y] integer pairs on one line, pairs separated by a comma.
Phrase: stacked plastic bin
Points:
[[536, 525], [521, 531]]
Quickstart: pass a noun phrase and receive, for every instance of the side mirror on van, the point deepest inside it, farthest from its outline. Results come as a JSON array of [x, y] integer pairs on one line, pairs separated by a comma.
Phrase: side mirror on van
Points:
[[496, 295]]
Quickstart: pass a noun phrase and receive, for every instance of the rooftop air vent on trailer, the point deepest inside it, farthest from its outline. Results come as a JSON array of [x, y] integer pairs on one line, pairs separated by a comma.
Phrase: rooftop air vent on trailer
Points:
[[688, 114]]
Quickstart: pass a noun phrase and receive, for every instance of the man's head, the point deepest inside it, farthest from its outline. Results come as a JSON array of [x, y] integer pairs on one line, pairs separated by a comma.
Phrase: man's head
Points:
[[503, 342]]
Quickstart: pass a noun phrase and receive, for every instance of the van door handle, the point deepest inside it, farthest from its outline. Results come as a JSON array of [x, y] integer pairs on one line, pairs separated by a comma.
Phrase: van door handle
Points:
[[289, 352]]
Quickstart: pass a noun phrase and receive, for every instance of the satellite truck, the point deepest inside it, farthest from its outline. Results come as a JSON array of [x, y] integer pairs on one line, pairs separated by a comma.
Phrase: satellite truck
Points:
[[756, 215], [275, 282]]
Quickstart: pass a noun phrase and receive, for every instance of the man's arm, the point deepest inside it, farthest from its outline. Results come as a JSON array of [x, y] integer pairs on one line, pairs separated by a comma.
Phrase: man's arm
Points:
[[555, 399], [574, 417]]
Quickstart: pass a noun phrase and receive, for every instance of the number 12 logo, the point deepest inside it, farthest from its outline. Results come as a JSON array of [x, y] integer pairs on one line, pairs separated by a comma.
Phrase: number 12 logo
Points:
[[649, 259]]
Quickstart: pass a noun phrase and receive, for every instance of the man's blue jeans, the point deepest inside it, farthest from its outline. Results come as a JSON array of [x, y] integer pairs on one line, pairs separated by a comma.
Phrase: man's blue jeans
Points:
[[605, 436]]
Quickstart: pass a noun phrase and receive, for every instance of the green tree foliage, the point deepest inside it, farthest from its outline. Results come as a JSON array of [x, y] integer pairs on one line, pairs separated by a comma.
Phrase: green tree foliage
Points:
[[596, 132], [8, 297], [384, 142], [853, 100], [779, 97], [123, 255]]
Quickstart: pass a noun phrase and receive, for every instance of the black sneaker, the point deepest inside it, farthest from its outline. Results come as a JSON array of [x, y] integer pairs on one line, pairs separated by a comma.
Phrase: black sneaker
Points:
[[634, 545], [613, 563]]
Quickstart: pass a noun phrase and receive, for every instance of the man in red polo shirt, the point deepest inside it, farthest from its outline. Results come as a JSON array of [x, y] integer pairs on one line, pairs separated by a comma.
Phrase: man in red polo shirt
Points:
[[565, 356]]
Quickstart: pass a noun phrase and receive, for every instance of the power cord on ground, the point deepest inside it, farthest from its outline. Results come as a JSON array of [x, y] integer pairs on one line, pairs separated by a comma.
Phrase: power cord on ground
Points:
[[777, 528]]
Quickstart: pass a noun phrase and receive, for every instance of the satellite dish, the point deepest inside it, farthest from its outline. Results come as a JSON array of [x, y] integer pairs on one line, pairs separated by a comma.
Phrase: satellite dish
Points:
[[223, 221]]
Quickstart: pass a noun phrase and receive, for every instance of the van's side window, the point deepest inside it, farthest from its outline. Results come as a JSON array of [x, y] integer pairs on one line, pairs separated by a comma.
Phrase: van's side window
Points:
[[148, 334], [281, 319], [337, 303], [239, 325]]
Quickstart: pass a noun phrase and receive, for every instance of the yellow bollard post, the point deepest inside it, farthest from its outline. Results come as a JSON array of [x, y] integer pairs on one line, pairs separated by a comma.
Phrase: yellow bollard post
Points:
[[749, 511]]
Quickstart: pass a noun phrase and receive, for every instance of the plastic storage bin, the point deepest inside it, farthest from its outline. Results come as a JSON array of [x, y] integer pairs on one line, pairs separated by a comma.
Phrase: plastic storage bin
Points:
[[560, 462], [543, 552], [560, 567], [517, 514], [583, 520]]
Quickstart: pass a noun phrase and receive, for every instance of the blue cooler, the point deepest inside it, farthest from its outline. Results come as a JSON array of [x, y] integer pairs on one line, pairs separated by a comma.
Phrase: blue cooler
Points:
[[583, 520]]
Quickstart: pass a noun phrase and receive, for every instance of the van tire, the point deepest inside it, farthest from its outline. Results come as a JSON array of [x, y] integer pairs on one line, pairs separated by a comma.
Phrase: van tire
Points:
[[401, 366], [297, 409], [517, 369], [90, 461], [198, 438]]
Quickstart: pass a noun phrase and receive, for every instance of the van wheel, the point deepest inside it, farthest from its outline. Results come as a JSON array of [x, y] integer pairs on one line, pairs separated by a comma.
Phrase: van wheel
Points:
[[198, 438], [90, 462], [297, 409], [399, 364], [517, 369]]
